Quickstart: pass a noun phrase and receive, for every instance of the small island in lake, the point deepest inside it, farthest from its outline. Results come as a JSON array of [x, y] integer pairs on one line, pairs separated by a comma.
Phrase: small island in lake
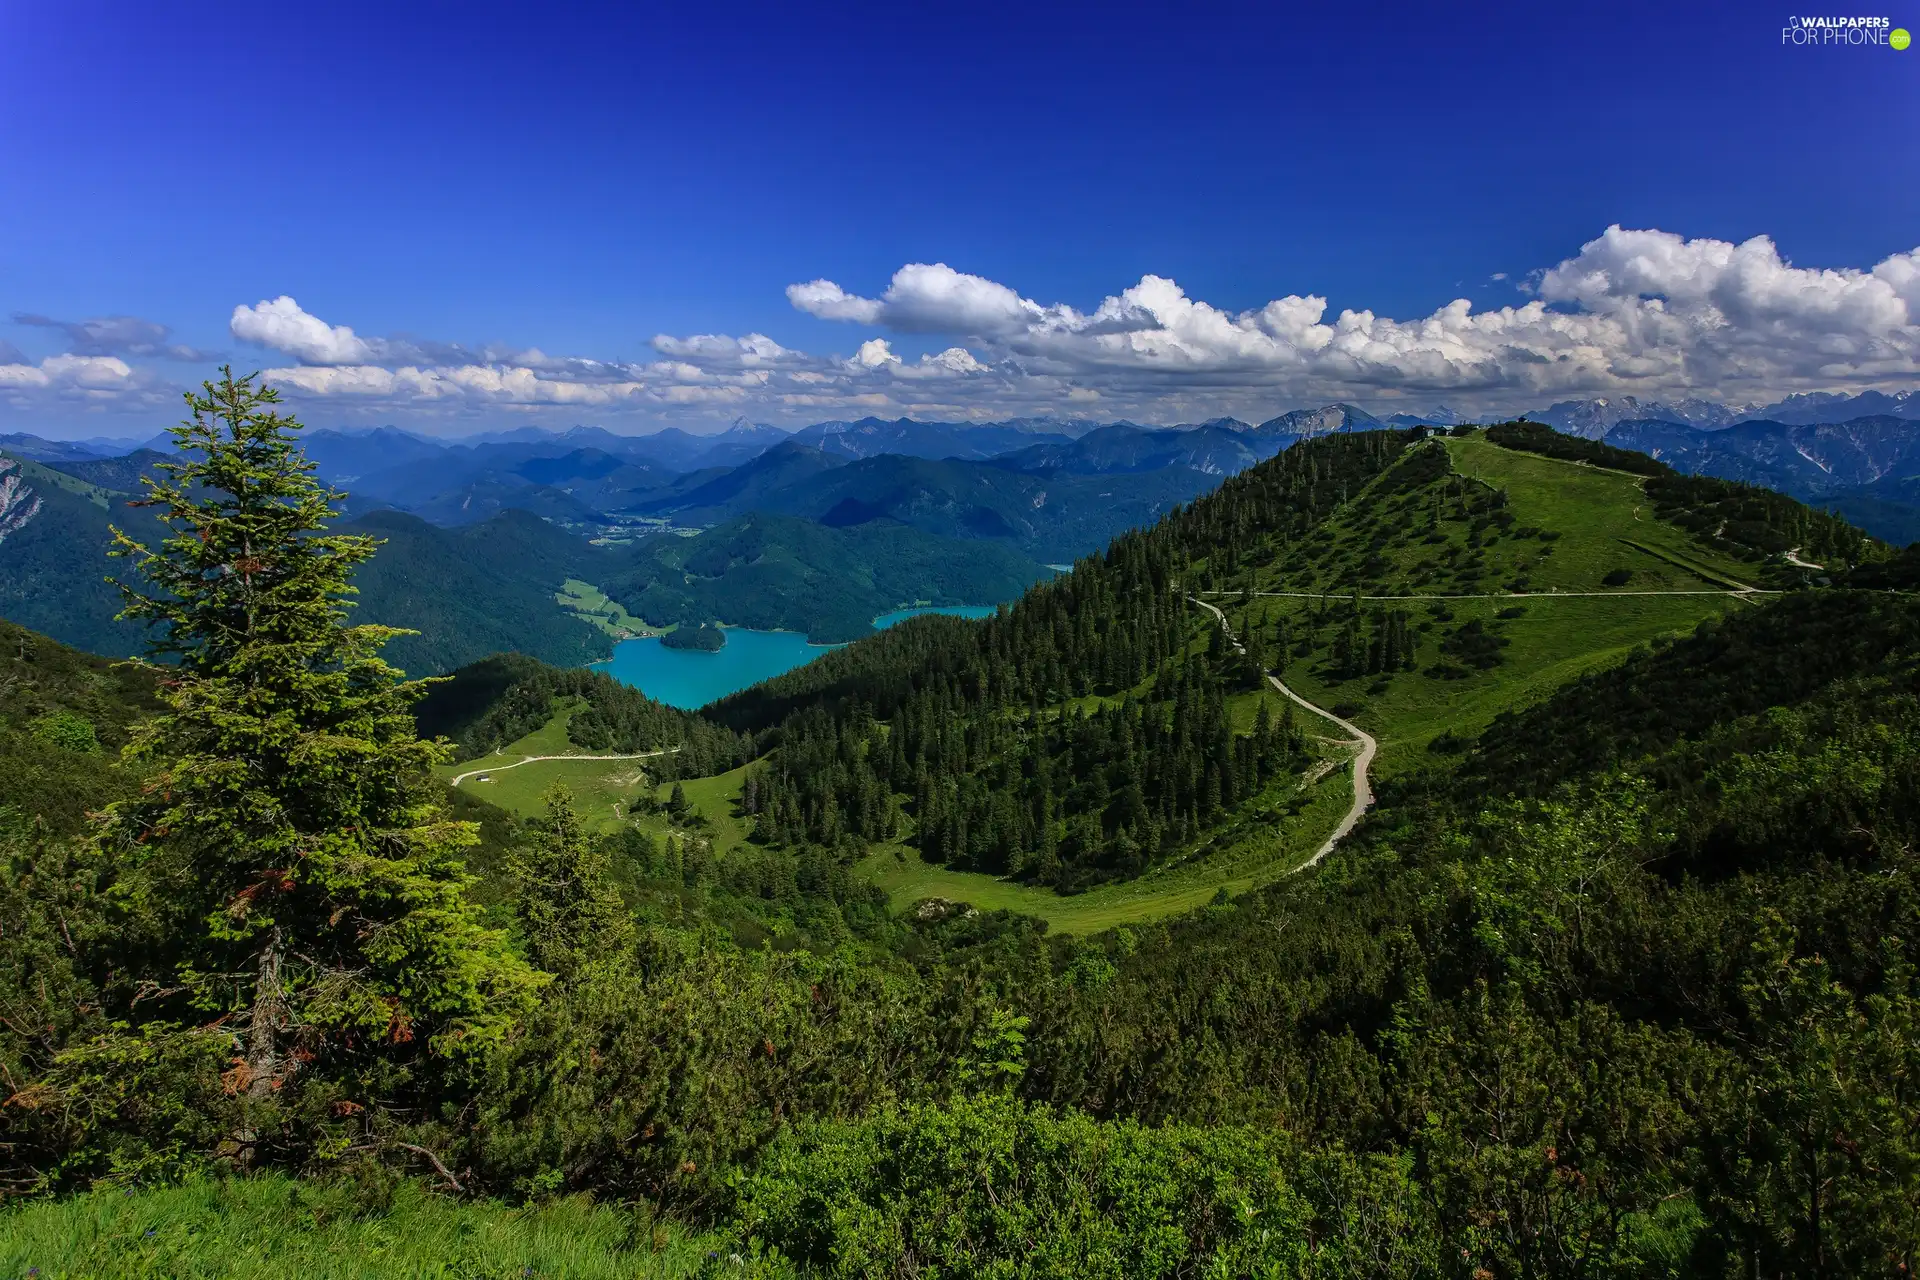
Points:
[[707, 638]]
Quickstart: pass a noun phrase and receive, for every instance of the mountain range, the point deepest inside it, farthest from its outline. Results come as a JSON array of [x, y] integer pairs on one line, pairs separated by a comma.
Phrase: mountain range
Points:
[[818, 530], [1051, 488], [1593, 419], [1035, 490], [495, 584], [1867, 468]]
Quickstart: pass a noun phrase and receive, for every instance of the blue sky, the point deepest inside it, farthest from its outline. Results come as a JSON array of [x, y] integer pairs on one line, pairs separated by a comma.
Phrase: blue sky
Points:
[[517, 204]]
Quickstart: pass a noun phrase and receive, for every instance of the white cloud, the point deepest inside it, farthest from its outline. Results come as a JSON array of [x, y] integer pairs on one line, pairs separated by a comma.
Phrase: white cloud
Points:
[[875, 353], [829, 301], [281, 325], [1641, 312], [710, 350], [1633, 311], [75, 373], [84, 382]]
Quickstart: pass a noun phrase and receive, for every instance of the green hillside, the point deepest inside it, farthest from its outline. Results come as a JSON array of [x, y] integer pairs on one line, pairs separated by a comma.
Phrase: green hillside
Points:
[[1094, 757], [503, 584], [478, 589], [1050, 518], [64, 716], [782, 573], [1500, 575], [993, 948], [486, 705], [54, 565]]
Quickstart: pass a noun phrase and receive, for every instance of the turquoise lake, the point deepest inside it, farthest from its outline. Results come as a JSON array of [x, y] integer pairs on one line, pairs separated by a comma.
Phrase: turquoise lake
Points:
[[687, 678]]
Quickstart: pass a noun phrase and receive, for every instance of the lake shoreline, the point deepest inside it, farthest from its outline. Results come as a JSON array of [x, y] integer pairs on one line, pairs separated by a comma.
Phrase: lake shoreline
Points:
[[692, 678]]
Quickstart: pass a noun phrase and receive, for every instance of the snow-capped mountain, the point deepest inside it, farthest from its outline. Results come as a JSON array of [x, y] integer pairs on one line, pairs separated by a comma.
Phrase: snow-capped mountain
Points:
[[1440, 417], [1594, 418], [1302, 424]]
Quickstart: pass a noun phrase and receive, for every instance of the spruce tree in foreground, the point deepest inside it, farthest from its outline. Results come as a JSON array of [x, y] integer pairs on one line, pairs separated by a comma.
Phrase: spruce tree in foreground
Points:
[[289, 829]]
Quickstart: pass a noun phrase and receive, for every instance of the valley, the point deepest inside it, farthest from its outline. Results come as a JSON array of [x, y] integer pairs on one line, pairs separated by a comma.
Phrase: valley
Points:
[[1461, 582], [1270, 791]]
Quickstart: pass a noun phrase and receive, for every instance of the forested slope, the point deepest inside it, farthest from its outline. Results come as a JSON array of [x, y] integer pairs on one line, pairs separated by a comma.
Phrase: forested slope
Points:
[[780, 573], [1008, 769], [64, 716], [487, 704], [1101, 727], [1602, 985], [1620, 983]]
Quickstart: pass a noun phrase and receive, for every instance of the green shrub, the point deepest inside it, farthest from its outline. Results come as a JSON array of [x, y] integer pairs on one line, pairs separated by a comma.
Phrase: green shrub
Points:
[[989, 1187], [68, 731]]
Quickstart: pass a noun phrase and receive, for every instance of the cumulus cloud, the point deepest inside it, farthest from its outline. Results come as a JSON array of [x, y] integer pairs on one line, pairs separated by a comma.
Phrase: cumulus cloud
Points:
[[280, 324], [1644, 312], [99, 373], [717, 350], [114, 336], [829, 301], [78, 382], [1633, 310], [875, 353], [496, 384], [714, 371]]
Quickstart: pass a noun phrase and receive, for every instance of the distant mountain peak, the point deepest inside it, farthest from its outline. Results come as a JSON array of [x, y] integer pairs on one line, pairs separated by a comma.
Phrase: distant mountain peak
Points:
[[1306, 423], [1216, 424], [18, 502], [1593, 418], [1441, 416]]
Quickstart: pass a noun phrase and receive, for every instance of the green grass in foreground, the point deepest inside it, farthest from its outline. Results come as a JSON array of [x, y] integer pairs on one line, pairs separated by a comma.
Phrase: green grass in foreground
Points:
[[274, 1227]]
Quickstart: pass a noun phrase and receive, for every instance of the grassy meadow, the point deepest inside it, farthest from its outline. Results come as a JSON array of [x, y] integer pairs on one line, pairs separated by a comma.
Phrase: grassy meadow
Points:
[[273, 1228], [603, 789], [590, 604]]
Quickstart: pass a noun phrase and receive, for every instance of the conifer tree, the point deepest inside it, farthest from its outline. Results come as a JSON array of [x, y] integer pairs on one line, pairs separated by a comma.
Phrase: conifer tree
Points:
[[568, 907], [289, 831]]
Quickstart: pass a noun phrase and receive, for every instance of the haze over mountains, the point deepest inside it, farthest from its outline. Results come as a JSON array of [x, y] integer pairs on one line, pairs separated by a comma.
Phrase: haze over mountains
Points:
[[484, 532], [1055, 488]]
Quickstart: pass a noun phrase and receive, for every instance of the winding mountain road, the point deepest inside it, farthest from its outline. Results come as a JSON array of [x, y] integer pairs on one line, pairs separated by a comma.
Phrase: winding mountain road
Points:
[[1362, 788], [501, 768]]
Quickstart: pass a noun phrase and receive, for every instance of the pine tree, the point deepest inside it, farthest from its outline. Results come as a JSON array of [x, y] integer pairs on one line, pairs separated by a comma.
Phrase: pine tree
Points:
[[290, 829], [568, 908]]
